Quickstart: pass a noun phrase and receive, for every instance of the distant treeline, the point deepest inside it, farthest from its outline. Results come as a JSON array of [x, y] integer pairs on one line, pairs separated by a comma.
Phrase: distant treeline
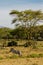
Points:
[[21, 33]]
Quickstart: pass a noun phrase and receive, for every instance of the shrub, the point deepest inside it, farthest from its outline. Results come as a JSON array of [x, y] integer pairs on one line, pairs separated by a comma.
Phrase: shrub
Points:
[[12, 43], [31, 43], [27, 44], [34, 44]]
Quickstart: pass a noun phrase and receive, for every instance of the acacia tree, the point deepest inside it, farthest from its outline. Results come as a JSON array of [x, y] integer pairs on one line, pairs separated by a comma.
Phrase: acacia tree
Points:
[[27, 18]]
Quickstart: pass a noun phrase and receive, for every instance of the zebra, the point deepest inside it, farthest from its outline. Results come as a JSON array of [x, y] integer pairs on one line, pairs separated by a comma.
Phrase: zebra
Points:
[[16, 51]]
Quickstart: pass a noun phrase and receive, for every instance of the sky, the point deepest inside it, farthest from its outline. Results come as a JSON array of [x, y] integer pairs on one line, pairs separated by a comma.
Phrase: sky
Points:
[[7, 5]]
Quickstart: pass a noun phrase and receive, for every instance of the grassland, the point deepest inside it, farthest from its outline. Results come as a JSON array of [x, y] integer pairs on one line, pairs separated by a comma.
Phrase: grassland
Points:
[[29, 56]]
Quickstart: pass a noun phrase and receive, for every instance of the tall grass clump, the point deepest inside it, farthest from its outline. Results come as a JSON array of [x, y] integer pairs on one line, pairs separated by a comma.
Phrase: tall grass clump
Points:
[[1, 58], [34, 64], [34, 55]]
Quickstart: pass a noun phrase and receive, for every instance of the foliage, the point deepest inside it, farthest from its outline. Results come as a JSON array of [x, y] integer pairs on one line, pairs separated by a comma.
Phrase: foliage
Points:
[[5, 33], [31, 43], [21, 33], [27, 44], [28, 19], [12, 43]]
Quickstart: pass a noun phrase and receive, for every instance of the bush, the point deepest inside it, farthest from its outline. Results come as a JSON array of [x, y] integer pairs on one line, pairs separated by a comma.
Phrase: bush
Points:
[[30, 43], [27, 44], [12, 43], [34, 44]]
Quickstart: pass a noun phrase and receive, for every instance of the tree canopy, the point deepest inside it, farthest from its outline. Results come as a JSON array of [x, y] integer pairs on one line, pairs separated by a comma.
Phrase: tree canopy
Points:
[[27, 18]]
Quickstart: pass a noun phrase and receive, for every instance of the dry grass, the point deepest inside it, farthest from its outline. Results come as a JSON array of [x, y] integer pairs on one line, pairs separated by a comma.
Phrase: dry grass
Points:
[[22, 61], [7, 58]]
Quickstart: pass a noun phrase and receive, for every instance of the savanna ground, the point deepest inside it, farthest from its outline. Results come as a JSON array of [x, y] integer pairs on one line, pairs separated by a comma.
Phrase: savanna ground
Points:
[[29, 56]]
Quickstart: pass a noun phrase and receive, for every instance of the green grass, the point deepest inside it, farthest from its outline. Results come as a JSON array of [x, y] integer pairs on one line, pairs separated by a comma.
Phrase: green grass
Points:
[[34, 55], [1, 58]]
